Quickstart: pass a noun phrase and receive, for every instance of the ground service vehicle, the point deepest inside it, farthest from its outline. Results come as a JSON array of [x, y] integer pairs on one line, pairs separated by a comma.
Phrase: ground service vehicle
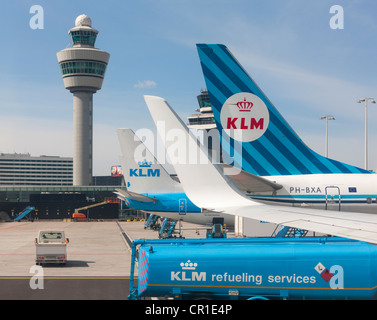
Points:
[[255, 268], [51, 247]]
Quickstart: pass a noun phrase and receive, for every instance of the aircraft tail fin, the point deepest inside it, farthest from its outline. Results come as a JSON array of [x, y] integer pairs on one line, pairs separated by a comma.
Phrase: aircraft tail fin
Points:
[[196, 178], [242, 111], [142, 173]]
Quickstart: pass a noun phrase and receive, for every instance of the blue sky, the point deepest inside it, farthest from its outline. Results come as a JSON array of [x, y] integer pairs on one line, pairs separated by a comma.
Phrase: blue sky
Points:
[[306, 68]]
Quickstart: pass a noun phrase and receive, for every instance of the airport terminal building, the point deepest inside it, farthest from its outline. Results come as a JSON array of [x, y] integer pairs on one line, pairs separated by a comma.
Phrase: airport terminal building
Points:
[[25, 170], [59, 202], [46, 183]]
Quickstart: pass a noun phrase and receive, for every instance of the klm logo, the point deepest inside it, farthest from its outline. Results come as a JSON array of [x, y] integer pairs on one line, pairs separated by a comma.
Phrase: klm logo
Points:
[[181, 276], [191, 275], [144, 170]]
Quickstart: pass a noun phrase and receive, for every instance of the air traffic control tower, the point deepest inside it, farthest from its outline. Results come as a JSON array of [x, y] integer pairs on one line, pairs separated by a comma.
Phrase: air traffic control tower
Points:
[[83, 69]]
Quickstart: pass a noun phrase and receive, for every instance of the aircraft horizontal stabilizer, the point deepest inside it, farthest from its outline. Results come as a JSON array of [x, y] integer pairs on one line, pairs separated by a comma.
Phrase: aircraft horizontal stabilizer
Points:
[[125, 194], [248, 182]]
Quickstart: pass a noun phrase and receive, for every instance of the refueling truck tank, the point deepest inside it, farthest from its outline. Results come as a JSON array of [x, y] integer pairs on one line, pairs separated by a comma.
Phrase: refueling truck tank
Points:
[[257, 268]]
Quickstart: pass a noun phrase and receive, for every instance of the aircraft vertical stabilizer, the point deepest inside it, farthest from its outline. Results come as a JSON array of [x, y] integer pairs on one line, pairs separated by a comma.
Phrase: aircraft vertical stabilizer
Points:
[[142, 173], [242, 111]]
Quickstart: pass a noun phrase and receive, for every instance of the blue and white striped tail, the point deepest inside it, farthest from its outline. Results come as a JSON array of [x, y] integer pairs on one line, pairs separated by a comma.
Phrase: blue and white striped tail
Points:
[[268, 144]]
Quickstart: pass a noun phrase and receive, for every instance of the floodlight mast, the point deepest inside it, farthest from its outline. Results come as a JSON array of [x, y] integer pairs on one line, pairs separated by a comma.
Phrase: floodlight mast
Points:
[[327, 133], [366, 100]]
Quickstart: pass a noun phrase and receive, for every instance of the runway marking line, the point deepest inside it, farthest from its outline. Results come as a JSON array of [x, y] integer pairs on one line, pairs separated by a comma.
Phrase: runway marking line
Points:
[[18, 225]]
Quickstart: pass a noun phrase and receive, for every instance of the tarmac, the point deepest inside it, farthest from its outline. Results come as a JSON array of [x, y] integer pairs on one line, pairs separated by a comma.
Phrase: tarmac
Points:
[[98, 258], [95, 249]]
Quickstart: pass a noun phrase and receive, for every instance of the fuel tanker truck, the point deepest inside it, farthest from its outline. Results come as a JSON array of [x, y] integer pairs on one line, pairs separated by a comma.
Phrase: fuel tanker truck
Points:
[[256, 268]]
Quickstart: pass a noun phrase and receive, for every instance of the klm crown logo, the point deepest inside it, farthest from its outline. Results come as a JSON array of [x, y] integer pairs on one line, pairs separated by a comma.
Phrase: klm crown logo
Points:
[[244, 106], [145, 164], [188, 265]]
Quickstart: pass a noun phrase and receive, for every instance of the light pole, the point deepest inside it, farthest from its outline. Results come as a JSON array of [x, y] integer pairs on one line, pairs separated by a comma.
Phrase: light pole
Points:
[[327, 132], [365, 100]]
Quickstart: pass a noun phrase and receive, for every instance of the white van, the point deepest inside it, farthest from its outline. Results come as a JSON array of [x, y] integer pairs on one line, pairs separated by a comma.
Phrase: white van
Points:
[[51, 247]]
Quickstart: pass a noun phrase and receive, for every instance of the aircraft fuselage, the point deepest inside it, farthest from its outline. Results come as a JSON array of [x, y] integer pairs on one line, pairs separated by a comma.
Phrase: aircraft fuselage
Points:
[[343, 192]]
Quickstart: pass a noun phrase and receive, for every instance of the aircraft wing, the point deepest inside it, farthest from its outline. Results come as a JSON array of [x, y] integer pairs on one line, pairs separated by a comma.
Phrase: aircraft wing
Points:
[[207, 187]]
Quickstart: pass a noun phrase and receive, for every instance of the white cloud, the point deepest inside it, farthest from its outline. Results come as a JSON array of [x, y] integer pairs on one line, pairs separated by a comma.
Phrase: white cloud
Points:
[[146, 84]]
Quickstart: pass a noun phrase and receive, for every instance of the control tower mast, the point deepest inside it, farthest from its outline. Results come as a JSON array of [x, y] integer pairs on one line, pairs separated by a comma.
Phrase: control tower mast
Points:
[[83, 69]]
